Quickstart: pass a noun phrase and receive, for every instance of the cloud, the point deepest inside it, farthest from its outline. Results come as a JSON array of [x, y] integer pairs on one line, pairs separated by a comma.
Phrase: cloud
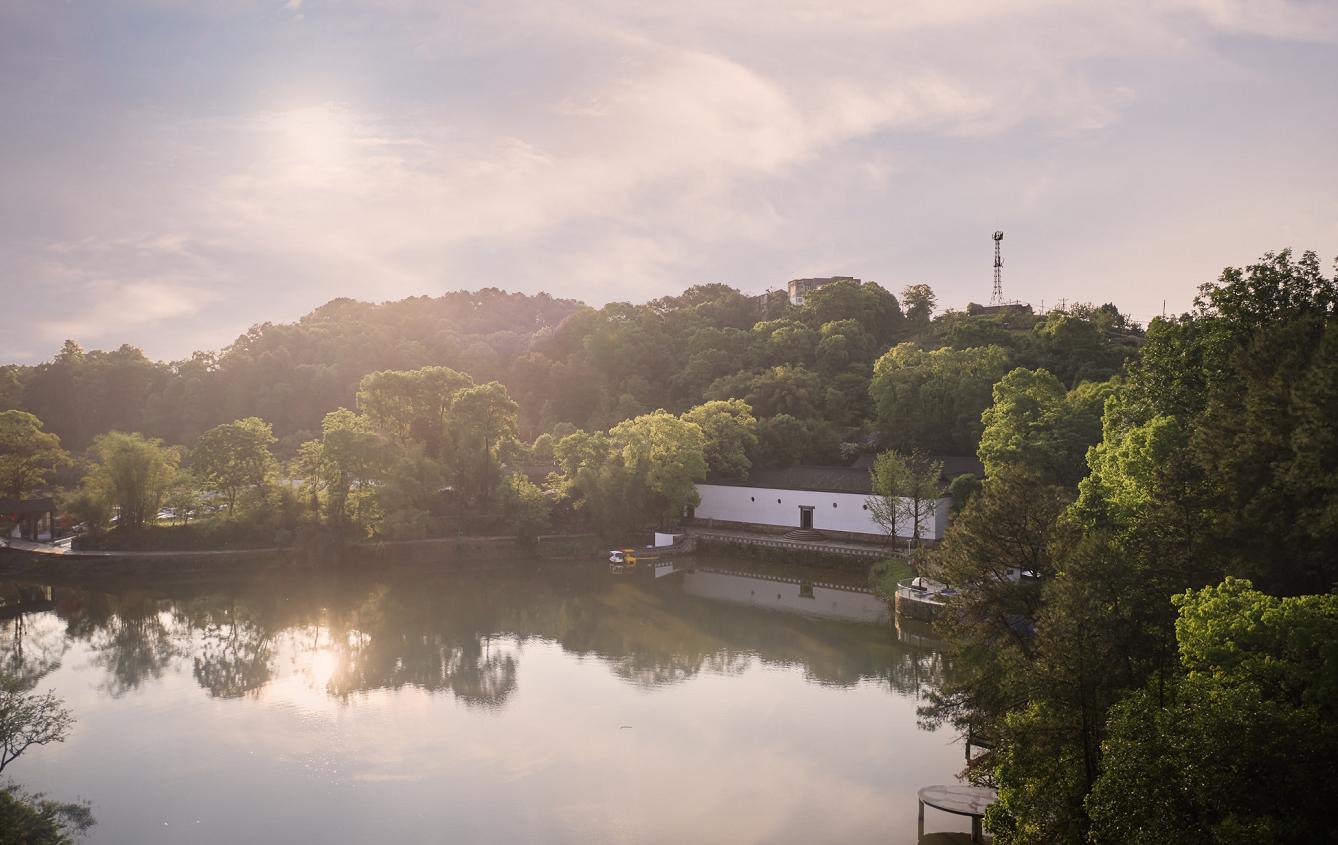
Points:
[[113, 308], [607, 150]]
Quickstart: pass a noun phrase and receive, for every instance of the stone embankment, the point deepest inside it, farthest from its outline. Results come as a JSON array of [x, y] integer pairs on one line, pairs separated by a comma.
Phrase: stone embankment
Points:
[[22, 558]]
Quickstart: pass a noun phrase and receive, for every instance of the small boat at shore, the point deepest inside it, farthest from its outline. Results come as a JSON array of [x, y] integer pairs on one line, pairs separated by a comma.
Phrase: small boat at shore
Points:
[[630, 557]]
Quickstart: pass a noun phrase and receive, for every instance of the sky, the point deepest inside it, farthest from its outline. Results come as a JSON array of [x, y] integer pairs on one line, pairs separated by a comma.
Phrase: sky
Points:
[[172, 173]]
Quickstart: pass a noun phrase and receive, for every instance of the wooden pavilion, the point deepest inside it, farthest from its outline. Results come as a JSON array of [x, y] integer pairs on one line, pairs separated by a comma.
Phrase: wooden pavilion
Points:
[[28, 514]]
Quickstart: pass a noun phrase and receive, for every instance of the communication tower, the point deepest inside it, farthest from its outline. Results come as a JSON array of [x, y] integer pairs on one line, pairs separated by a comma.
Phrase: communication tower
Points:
[[997, 297]]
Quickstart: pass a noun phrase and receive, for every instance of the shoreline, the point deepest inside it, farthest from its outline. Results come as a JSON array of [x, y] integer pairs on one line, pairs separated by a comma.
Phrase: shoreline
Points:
[[31, 562]]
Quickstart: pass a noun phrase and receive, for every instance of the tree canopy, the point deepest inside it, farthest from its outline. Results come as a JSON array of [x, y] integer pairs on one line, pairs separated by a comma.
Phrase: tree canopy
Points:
[[28, 454], [1242, 740], [234, 457], [1110, 718], [131, 474], [730, 432]]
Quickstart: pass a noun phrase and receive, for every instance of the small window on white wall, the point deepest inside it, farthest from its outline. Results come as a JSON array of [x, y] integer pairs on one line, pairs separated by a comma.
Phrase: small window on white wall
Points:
[[778, 501]]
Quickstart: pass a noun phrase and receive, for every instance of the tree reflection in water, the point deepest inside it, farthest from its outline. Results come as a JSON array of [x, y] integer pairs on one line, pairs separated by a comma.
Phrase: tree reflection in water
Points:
[[31, 652], [459, 634], [233, 652], [135, 643]]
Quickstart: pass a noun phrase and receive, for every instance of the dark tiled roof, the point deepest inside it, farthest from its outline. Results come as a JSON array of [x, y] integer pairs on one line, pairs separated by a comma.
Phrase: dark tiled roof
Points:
[[955, 465], [27, 505], [839, 479]]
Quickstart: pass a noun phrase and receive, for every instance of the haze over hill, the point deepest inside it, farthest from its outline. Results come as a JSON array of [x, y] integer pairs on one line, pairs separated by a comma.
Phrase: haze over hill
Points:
[[566, 363]]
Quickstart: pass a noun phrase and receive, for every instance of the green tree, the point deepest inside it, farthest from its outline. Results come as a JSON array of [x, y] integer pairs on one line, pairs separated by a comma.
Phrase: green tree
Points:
[[1075, 348], [796, 391], [11, 388], [872, 305], [919, 301], [731, 432], [528, 508], [781, 342], [28, 453], [408, 493], [664, 457], [1035, 422], [1002, 532], [480, 419], [589, 478], [37, 820], [131, 473], [234, 457], [412, 405], [906, 490], [343, 464], [843, 344], [933, 400], [1246, 379], [1240, 745], [963, 489], [30, 720]]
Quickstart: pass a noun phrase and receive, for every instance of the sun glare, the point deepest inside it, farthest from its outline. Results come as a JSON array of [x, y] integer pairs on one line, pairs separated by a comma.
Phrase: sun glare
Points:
[[321, 669], [312, 144]]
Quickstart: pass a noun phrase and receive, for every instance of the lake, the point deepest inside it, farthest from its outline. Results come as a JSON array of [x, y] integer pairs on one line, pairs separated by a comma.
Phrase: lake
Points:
[[525, 702]]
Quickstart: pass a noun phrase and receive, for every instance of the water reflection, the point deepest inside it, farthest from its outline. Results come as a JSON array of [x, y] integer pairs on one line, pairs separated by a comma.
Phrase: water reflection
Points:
[[30, 654], [234, 647], [523, 703], [804, 596], [464, 634]]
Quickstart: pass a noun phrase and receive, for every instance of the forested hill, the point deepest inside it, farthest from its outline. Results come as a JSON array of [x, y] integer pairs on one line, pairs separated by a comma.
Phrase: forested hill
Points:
[[806, 370]]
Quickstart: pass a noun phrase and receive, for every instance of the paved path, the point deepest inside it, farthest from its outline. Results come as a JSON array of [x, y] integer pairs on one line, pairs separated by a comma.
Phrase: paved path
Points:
[[65, 551]]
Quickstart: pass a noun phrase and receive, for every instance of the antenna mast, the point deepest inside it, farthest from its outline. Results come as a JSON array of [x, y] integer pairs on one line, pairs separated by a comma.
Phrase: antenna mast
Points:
[[997, 298]]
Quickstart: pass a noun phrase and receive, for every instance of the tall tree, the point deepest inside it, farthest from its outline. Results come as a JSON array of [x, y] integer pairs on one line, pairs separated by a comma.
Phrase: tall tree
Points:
[[412, 405], [919, 301], [480, 419], [906, 490], [347, 459], [664, 457], [730, 431], [234, 457], [1036, 423], [28, 453], [132, 473]]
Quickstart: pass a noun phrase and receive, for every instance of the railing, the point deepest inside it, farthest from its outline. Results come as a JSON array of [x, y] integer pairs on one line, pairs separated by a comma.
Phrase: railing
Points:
[[922, 594], [795, 545]]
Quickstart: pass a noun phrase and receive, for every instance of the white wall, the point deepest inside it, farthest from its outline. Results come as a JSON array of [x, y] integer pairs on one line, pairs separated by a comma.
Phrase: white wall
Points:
[[824, 601], [831, 511]]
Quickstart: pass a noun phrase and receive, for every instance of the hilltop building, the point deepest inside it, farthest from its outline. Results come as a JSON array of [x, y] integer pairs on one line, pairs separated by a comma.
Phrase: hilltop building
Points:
[[799, 288], [831, 500]]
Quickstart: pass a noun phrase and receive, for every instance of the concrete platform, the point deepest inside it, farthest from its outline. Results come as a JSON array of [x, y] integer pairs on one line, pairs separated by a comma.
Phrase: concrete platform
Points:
[[958, 799]]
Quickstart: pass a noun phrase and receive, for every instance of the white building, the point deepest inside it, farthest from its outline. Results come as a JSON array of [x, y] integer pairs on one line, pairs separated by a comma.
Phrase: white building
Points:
[[832, 500]]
